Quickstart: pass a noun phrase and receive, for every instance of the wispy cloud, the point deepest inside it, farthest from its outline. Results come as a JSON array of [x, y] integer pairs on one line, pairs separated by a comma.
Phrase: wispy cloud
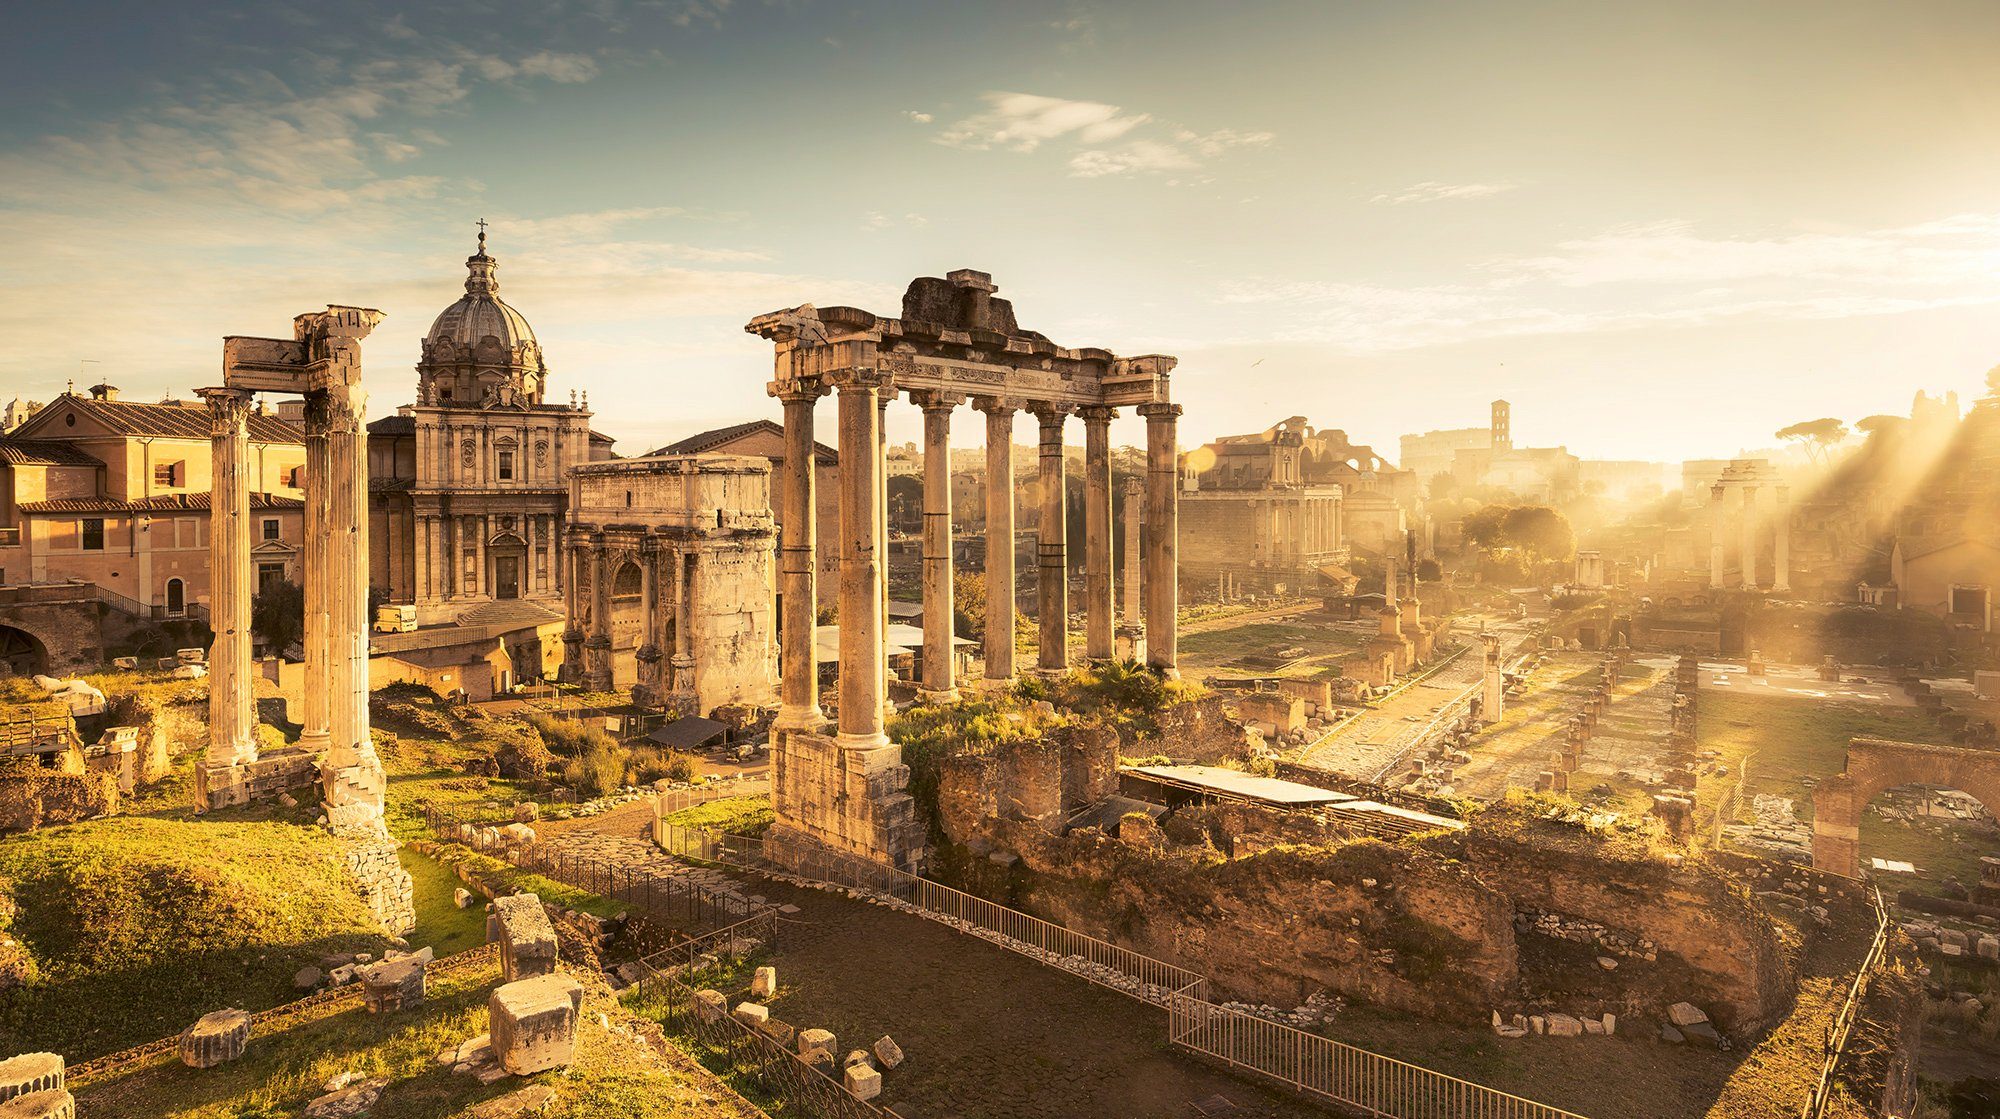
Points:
[[1107, 139], [1657, 275], [916, 117], [1439, 192]]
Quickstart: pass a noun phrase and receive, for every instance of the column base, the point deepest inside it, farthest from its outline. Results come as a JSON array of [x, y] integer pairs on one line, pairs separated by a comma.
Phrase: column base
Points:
[[1129, 643], [946, 695], [315, 742], [799, 718], [847, 797]]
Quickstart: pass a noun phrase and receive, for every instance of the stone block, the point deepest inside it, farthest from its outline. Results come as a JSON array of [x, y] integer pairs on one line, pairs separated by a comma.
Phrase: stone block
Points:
[[862, 1080], [527, 939], [533, 1022], [215, 1038], [462, 897], [764, 983], [751, 1014], [711, 1005], [527, 1101], [48, 1103], [394, 984], [887, 1053], [857, 1057], [346, 1103], [781, 1032], [30, 1072], [816, 1041], [1564, 1025], [1685, 1014]]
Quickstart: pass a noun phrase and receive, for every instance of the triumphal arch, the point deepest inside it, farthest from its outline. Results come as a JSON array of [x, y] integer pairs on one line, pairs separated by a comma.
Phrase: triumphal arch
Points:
[[955, 343]]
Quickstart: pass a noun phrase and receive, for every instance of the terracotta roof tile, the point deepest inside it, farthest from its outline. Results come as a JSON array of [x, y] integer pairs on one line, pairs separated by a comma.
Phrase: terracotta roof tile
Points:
[[162, 503]]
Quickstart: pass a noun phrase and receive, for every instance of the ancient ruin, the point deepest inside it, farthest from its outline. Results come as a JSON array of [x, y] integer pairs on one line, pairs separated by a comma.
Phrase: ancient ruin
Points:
[[954, 342]]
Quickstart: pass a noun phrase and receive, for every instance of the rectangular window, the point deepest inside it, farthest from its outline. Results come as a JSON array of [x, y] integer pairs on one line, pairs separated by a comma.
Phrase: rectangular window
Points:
[[506, 466], [167, 474], [93, 534], [269, 575], [270, 528]]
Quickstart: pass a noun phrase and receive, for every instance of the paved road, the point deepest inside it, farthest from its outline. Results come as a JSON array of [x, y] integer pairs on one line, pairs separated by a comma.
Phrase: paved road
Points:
[[1366, 745], [1232, 621]]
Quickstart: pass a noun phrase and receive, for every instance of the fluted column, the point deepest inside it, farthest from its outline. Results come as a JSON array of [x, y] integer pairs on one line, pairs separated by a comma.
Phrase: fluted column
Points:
[[597, 644], [1100, 607], [861, 646], [1162, 528], [684, 600], [999, 650], [1781, 560], [1749, 545], [574, 607], [1053, 545], [938, 683], [649, 655], [315, 736], [231, 708], [798, 563]]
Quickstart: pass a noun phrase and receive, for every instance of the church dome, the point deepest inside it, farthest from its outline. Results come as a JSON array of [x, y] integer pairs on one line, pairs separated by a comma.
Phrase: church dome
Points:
[[480, 345]]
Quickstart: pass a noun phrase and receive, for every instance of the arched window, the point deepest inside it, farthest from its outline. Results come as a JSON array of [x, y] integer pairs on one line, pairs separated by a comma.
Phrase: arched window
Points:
[[176, 597]]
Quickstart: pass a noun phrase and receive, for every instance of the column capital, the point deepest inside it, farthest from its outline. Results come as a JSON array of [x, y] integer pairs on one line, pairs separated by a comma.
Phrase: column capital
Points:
[[856, 377], [1160, 410], [996, 405], [804, 390], [1097, 413], [228, 408], [1051, 413], [932, 400]]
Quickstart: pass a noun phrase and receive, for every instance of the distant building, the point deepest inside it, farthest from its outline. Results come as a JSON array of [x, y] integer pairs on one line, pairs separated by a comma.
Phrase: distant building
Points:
[[766, 440], [1547, 474], [1432, 453], [1248, 511], [1623, 480]]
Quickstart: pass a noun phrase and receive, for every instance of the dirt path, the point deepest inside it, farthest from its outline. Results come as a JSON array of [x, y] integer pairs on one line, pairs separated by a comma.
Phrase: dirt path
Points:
[[1275, 614]]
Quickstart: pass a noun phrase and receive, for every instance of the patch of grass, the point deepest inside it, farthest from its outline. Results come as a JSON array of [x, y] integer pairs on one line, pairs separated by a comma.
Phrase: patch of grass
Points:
[[441, 924], [1785, 739], [139, 926], [733, 815], [506, 878]]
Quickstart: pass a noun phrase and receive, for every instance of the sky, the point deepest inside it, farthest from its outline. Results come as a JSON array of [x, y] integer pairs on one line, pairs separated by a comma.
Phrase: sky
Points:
[[1660, 231]]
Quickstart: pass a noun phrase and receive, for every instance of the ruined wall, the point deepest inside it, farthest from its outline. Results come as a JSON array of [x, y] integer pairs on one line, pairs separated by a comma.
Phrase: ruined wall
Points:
[[1039, 782], [1198, 730], [37, 799]]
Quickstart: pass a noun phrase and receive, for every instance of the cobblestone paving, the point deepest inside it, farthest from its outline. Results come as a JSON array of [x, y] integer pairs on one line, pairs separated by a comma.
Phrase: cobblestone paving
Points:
[[1629, 739], [989, 1034]]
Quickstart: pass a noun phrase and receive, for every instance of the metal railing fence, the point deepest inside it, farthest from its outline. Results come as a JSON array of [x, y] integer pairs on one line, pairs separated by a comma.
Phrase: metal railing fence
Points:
[[1308, 1063], [1850, 1010]]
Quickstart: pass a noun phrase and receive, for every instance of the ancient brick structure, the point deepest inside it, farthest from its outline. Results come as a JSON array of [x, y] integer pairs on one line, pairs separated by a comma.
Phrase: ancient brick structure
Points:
[[1875, 764]]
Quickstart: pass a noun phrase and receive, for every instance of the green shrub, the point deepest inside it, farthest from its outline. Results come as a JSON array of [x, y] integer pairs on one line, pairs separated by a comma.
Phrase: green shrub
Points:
[[598, 772]]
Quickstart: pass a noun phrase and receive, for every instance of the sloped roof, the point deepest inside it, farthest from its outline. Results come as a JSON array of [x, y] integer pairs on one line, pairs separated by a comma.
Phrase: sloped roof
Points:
[[394, 425], [43, 452], [174, 419], [705, 441], [160, 503]]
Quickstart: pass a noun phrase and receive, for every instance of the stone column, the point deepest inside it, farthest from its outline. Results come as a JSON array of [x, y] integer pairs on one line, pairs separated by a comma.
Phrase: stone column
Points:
[[1749, 545], [861, 645], [312, 579], [1053, 549], [352, 774], [454, 564], [1492, 695], [1781, 546], [1135, 506], [574, 605], [798, 559], [999, 649], [1715, 545], [1098, 591], [882, 398], [649, 686], [597, 643], [232, 713], [684, 689], [938, 685], [1162, 528]]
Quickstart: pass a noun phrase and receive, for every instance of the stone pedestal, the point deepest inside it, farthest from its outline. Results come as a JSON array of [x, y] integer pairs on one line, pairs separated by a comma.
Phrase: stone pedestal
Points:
[[532, 1023], [849, 800], [215, 1039], [520, 925], [395, 983]]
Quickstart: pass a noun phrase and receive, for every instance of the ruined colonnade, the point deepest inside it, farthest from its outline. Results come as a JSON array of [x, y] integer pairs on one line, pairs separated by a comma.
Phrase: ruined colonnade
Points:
[[1750, 525]]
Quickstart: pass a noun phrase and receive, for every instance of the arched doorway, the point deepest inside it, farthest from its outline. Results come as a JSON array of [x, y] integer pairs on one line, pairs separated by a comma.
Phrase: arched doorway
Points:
[[628, 623], [1875, 765], [507, 565], [176, 598], [21, 653]]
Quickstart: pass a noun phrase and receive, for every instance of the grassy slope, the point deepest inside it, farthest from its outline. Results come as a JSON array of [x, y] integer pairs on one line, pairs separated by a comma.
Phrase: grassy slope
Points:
[[141, 925], [613, 1077], [441, 924], [733, 815]]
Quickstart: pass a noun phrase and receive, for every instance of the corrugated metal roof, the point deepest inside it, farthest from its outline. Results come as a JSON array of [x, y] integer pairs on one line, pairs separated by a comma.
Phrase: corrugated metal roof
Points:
[[43, 452], [161, 503], [1233, 782]]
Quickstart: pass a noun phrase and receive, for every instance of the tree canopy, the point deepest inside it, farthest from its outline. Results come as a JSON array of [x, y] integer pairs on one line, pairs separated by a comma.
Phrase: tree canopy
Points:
[[1817, 437]]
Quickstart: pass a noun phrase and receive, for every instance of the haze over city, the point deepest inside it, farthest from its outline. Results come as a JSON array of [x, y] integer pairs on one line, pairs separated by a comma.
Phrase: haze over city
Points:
[[1391, 213]]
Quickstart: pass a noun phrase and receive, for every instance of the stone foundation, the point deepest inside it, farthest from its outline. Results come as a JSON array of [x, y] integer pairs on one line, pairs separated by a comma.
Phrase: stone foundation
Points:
[[385, 885], [263, 778], [852, 801]]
